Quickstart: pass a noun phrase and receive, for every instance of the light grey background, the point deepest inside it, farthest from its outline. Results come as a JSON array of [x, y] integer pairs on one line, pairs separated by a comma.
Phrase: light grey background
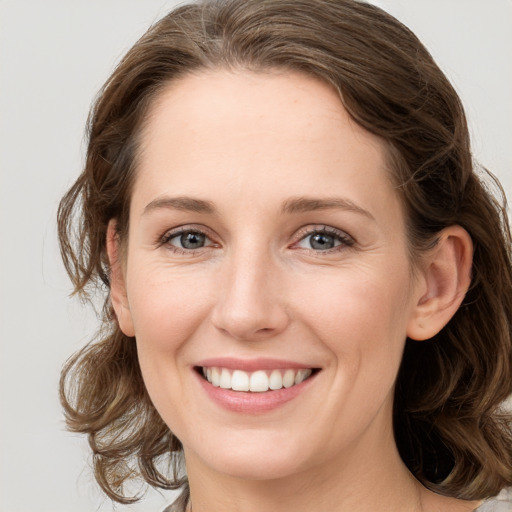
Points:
[[54, 56]]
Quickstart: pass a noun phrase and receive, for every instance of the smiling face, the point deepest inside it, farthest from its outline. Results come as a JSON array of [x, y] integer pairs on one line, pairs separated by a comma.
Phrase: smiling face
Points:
[[266, 247]]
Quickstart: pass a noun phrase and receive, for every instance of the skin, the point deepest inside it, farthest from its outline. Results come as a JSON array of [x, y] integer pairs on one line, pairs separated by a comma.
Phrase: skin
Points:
[[248, 144]]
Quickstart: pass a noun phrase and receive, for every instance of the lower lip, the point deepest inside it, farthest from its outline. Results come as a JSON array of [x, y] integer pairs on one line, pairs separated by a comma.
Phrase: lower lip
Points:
[[253, 403]]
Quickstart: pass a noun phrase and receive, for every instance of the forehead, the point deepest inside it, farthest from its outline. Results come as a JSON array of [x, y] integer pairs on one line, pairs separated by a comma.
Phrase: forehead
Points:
[[275, 105], [254, 135]]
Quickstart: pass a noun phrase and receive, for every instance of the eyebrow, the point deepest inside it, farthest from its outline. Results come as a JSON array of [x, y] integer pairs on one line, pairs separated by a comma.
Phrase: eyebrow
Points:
[[290, 206], [308, 204], [184, 203]]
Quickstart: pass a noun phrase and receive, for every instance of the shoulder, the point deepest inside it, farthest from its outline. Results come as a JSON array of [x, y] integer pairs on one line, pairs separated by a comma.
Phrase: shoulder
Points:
[[502, 503]]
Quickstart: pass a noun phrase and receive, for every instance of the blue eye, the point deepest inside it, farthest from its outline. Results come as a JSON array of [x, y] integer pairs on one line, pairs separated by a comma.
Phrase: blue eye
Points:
[[187, 240], [325, 239], [191, 240], [322, 242]]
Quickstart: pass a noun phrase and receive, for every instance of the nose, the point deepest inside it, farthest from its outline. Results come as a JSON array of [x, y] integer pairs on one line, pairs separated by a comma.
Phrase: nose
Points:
[[251, 304]]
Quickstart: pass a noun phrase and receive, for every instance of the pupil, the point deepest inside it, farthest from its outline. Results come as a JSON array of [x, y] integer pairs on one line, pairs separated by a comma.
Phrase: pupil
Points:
[[322, 242], [192, 240]]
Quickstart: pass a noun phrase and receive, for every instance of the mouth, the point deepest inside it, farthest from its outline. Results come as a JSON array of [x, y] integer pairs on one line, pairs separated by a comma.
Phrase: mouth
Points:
[[259, 381]]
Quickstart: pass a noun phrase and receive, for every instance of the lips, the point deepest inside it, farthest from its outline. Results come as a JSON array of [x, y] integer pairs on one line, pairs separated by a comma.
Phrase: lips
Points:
[[253, 386]]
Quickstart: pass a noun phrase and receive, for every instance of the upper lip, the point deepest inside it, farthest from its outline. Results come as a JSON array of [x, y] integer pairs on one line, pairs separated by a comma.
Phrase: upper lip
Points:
[[251, 365]]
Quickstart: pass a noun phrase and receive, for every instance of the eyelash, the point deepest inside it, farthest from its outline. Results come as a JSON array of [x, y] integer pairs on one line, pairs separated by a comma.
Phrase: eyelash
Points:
[[346, 241]]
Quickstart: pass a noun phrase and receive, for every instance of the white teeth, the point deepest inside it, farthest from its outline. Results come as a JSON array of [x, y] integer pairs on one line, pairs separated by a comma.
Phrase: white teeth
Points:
[[302, 375], [225, 379], [288, 378], [240, 381], [276, 380], [215, 380], [257, 382]]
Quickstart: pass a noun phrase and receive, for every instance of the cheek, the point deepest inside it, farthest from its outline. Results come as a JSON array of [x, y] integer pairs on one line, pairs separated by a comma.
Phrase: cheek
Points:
[[165, 307], [166, 312], [363, 322], [358, 304]]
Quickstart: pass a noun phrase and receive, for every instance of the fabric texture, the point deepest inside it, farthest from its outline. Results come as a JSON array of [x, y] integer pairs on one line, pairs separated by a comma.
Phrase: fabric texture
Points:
[[502, 503]]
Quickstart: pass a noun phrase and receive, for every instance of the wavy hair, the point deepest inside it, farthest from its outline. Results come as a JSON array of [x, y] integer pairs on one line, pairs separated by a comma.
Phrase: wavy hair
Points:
[[451, 428]]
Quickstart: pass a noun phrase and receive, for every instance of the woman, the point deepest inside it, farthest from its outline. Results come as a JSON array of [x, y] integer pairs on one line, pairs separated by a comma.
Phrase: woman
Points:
[[308, 283]]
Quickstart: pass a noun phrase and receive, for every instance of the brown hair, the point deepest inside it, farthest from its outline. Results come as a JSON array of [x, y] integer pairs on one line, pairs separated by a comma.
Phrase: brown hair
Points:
[[450, 428]]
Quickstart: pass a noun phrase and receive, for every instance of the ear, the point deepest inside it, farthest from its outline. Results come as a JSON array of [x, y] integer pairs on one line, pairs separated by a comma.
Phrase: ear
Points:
[[118, 294], [443, 283]]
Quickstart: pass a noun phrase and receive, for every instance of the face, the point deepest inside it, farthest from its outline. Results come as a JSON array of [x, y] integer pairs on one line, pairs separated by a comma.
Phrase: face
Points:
[[266, 276]]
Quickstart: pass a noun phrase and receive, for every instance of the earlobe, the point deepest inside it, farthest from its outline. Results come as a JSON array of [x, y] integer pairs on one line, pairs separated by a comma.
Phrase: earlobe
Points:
[[118, 294], [445, 279]]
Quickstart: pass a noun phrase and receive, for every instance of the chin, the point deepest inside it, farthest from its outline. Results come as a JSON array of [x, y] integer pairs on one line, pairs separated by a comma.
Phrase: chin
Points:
[[262, 459], [257, 468]]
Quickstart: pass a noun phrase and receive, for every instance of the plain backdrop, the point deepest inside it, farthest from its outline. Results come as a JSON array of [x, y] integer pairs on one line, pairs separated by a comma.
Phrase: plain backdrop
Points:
[[54, 56]]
